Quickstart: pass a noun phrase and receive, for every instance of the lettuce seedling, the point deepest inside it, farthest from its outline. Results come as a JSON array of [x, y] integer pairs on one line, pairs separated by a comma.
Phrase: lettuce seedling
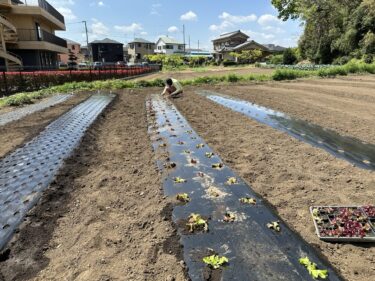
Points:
[[248, 200], [187, 151], [231, 181], [183, 197], [313, 271], [215, 261], [217, 166], [196, 222], [181, 143], [170, 165], [201, 145], [274, 225], [163, 145], [179, 180], [189, 132], [209, 154], [229, 217]]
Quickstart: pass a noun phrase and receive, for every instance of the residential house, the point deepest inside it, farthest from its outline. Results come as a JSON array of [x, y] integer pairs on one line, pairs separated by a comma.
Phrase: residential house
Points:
[[236, 41], [138, 48], [169, 46], [126, 53], [27, 34], [73, 48], [107, 51], [275, 48]]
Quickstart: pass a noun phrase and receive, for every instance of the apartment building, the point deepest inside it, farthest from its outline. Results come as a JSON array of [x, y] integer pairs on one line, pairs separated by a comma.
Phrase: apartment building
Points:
[[27, 33]]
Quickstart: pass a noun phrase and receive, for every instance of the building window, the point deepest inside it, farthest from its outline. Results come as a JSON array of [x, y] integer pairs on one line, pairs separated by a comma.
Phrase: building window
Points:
[[139, 45], [73, 47], [159, 47], [169, 47], [180, 47], [38, 32]]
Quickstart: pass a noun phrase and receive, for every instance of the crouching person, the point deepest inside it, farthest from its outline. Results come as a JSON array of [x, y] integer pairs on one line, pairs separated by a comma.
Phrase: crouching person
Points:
[[172, 88]]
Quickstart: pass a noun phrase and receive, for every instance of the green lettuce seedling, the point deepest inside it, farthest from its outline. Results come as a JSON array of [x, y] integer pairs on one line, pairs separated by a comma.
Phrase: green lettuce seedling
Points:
[[248, 200], [183, 197], [274, 225], [195, 222], [179, 180], [313, 271], [215, 261]]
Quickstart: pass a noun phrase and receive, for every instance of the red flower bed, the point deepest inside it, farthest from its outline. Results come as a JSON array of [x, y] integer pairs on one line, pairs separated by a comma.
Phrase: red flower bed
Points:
[[12, 82]]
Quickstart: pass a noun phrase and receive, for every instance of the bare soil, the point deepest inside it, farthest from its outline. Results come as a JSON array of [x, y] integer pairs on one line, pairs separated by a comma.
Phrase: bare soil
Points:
[[105, 216], [346, 105], [290, 174], [219, 71]]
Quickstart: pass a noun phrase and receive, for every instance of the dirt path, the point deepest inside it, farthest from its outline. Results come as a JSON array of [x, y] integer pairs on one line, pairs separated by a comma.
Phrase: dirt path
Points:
[[105, 217], [18, 132], [346, 105], [290, 174], [189, 74]]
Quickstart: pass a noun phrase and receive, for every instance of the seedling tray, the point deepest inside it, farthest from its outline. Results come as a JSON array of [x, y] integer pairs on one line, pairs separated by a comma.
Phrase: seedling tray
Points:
[[334, 223]]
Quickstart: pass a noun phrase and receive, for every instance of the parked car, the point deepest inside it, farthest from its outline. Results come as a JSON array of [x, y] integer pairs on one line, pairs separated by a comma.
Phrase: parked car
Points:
[[120, 64], [98, 65], [63, 66], [83, 65], [72, 65]]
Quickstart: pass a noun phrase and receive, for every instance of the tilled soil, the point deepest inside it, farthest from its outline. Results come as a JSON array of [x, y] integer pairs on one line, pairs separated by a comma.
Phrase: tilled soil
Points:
[[16, 133], [290, 174], [105, 216], [346, 105], [191, 74]]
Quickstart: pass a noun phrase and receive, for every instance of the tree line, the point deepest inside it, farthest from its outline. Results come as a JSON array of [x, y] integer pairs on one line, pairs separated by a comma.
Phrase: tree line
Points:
[[334, 30]]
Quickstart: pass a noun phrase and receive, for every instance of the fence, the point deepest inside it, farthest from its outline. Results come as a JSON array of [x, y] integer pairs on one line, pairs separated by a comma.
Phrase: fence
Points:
[[25, 81]]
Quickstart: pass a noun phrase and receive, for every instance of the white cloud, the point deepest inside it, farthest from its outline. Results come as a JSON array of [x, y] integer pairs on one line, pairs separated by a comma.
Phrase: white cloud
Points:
[[221, 27], [173, 29], [237, 19], [67, 13], [62, 6], [273, 29], [189, 16], [128, 29], [143, 33], [268, 19], [101, 4], [260, 36], [99, 28], [155, 9]]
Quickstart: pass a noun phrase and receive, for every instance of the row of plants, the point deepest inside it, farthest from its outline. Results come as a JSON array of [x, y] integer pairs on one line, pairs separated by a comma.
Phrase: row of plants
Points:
[[12, 82], [116, 84]]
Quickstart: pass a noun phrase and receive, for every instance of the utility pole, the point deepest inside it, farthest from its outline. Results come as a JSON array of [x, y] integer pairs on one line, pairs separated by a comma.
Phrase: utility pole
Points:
[[198, 45], [189, 42], [183, 31], [87, 40]]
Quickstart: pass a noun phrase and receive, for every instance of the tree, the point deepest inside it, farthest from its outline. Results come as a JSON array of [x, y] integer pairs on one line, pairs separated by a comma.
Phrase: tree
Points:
[[332, 29], [247, 56]]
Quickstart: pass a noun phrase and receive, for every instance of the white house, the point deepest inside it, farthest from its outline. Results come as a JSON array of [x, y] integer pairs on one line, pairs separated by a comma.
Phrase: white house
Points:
[[168, 46]]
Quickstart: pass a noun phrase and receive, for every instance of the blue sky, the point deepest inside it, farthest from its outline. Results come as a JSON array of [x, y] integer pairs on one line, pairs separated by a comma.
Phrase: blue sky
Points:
[[204, 20]]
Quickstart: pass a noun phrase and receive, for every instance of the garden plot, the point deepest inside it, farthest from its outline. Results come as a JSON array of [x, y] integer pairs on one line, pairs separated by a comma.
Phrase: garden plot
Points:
[[28, 171], [220, 214], [22, 112], [353, 150]]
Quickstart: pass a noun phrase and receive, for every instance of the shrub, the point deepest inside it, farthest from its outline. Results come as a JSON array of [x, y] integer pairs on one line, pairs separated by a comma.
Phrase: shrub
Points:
[[276, 59], [233, 78], [229, 63], [368, 59], [289, 57], [288, 74], [19, 99]]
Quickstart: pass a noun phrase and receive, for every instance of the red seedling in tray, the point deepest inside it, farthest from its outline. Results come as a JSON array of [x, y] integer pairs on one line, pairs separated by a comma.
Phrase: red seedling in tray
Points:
[[343, 222], [369, 211]]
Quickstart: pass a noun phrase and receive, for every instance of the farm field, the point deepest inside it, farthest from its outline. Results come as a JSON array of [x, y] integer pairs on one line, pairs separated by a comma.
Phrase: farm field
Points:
[[214, 71], [105, 216]]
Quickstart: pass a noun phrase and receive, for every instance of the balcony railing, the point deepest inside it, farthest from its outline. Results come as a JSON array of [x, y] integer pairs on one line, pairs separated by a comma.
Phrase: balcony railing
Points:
[[45, 6], [44, 36], [50, 9]]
